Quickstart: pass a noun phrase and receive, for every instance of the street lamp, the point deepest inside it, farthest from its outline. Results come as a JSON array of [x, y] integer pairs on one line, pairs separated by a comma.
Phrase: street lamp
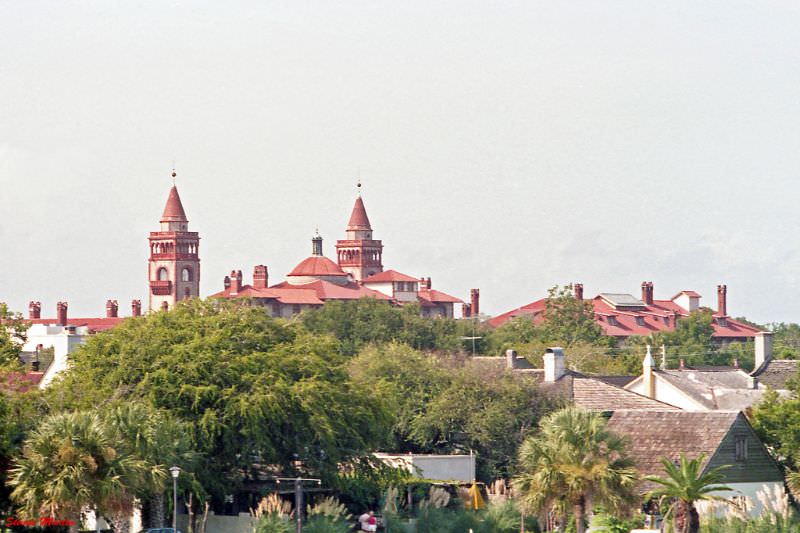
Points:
[[298, 496], [175, 471]]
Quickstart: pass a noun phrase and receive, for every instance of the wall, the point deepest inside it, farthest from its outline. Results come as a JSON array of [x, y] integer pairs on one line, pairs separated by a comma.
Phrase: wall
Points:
[[63, 343], [439, 467]]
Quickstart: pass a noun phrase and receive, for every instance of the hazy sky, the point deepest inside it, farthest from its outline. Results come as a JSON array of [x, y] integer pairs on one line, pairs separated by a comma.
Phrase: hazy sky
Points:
[[503, 145]]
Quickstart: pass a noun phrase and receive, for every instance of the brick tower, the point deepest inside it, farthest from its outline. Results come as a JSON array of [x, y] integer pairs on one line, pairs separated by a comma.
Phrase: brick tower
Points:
[[174, 266], [359, 254]]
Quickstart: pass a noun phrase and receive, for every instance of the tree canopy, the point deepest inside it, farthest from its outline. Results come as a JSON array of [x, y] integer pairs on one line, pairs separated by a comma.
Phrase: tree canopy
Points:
[[252, 389]]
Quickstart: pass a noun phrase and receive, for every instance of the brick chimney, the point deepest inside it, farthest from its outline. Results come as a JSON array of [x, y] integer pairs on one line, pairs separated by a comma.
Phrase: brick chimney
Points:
[[554, 364], [474, 302], [465, 311], [647, 292], [61, 313], [34, 310], [136, 308], [260, 277], [112, 309], [236, 281], [425, 283], [722, 300], [577, 288]]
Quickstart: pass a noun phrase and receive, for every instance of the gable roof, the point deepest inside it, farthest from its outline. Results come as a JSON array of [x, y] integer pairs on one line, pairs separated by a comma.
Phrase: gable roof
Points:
[[775, 372], [389, 275], [434, 296], [596, 395], [668, 434]]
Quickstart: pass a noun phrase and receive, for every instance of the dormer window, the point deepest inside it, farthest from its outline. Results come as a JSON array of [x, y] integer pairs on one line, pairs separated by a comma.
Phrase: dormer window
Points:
[[722, 321], [612, 321], [640, 321]]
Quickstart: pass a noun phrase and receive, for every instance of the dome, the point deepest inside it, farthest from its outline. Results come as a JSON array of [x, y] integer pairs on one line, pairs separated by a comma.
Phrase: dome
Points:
[[317, 265]]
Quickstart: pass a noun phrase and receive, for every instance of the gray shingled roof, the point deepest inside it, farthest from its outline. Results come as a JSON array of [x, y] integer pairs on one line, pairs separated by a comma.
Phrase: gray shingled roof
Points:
[[655, 435], [726, 389], [596, 395], [775, 372], [617, 381]]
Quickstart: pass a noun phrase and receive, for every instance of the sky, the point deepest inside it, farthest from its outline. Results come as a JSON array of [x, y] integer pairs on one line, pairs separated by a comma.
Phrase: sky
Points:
[[509, 146]]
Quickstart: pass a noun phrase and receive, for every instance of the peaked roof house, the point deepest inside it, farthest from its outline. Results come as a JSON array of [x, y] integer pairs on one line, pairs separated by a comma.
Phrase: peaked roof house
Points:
[[622, 315], [724, 437], [711, 389], [589, 392]]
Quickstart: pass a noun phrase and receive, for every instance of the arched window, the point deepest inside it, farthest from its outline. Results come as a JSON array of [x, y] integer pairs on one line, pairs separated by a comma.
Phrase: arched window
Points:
[[163, 275], [186, 274]]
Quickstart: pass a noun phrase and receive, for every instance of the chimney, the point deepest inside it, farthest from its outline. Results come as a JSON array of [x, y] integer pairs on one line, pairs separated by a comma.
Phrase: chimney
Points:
[[722, 300], [647, 292], [226, 282], [763, 348], [648, 374], [61, 313], [511, 359], [577, 289], [34, 310], [554, 366], [474, 302], [136, 308], [235, 281], [425, 283], [260, 277], [465, 311], [112, 308]]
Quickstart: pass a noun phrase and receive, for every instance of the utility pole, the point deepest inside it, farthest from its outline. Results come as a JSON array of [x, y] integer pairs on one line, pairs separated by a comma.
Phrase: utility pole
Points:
[[298, 496]]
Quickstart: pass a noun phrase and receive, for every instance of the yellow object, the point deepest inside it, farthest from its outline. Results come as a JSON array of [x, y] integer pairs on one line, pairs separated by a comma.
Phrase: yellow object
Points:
[[475, 499]]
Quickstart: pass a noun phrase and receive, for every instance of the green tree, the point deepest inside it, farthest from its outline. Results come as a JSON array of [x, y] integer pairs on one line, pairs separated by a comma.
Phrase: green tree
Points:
[[568, 320], [786, 339], [572, 463], [159, 442], [249, 386], [69, 462], [12, 336], [777, 422], [359, 323], [684, 485]]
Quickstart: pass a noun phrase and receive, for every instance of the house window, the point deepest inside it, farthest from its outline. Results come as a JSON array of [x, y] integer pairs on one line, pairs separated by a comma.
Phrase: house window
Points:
[[612, 321], [186, 274], [163, 275], [639, 321], [741, 448]]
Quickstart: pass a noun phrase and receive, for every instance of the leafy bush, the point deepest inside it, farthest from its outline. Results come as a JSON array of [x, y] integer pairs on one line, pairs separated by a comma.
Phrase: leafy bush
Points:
[[325, 524], [273, 523]]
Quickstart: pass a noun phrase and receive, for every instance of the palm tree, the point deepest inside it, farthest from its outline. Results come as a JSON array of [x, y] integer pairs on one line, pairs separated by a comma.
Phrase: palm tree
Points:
[[573, 463], [70, 463], [159, 442], [684, 485]]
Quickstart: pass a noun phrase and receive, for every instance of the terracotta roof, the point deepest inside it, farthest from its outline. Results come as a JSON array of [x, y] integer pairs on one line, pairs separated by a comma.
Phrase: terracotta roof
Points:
[[627, 321], [435, 296], [19, 382], [317, 265], [655, 435], [358, 218], [596, 395], [389, 275], [775, 372], [94, 324], [173, 211]]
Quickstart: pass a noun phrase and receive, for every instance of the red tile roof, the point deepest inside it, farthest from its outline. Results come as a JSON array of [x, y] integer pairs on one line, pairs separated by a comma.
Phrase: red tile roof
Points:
[[313, 293], [389, 275], [173, 211], [434, 296], [317, 265], [19, 382], [94, 324], [625, 322], [358, 218]]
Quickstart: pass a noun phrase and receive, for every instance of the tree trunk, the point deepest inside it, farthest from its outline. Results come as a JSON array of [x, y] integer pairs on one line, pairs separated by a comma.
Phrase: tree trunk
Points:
[[157, 510], [579, 512], [686, 519], [693, 520]]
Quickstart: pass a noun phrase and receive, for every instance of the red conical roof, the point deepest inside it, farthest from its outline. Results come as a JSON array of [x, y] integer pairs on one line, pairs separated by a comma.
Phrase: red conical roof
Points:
[[359, 219], [173, 211]]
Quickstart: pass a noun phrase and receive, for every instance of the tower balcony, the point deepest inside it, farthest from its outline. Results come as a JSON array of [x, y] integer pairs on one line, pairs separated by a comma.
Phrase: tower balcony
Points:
[[161, 288]]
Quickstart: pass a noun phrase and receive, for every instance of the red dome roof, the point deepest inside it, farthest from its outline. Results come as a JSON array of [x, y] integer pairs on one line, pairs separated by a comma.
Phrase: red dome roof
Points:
[[317, 265]]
